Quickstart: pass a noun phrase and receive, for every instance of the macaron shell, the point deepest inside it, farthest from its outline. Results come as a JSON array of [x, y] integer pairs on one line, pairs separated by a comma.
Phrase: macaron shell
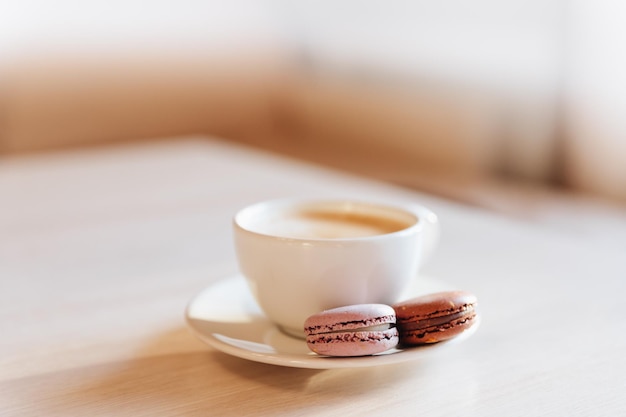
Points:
[[434, 305], [353, 317], [353, 343], [435, 317]]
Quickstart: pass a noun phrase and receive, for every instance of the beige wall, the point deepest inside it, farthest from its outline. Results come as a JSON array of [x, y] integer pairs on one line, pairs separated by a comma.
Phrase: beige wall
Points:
[[447, 98], [67, 101]]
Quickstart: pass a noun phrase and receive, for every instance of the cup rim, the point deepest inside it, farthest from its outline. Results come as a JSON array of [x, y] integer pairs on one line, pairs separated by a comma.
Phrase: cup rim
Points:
[[416, 226]]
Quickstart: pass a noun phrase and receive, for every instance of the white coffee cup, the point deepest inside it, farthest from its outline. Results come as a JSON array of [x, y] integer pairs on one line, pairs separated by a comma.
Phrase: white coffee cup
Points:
[[300, 256]]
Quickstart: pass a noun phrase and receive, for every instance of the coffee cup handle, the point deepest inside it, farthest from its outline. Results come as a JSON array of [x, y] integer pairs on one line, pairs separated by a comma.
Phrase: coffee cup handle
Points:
[[431, 232]]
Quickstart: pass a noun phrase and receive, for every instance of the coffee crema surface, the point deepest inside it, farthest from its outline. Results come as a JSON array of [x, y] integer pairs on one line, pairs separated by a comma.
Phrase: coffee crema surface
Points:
[[329, 224]]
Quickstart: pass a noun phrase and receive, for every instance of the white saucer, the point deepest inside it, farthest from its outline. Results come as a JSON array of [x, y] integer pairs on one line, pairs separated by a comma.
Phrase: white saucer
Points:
[[225, 316]]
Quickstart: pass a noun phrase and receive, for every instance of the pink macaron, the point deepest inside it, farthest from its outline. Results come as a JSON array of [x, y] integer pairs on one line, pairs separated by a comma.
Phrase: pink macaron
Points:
[[356, 330]]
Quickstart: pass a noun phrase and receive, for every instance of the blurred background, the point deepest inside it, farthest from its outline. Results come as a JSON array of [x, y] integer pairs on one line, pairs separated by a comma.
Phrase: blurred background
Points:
[[439, 96]]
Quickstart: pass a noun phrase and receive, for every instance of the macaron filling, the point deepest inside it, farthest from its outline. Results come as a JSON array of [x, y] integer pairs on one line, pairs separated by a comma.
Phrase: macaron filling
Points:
[[457, 318], [375, 324], [374, 328]]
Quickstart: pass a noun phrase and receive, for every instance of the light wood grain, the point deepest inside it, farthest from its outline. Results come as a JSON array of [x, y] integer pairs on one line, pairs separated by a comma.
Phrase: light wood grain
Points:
[[100, 251]]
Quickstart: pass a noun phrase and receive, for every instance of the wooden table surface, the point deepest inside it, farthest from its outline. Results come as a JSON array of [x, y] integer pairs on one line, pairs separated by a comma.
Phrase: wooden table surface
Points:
[[100, 251]]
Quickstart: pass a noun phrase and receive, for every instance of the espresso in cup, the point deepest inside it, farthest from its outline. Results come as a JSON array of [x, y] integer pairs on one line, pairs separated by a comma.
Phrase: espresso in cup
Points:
[[300, 257], [328, 222]]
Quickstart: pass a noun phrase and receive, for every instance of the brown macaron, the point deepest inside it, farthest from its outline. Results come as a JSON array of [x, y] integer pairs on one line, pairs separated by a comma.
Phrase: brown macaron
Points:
[[435, 317]]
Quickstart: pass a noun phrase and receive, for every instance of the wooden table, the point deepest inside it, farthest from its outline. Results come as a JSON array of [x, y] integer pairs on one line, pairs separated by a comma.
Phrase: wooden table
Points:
[[100, 251]]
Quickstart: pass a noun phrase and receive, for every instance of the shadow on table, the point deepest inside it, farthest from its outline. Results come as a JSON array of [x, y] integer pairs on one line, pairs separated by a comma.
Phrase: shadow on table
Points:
[[195, 380]]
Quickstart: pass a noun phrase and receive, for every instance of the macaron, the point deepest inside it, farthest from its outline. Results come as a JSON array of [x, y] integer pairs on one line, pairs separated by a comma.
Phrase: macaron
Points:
[[435, 317], [356, 330]]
